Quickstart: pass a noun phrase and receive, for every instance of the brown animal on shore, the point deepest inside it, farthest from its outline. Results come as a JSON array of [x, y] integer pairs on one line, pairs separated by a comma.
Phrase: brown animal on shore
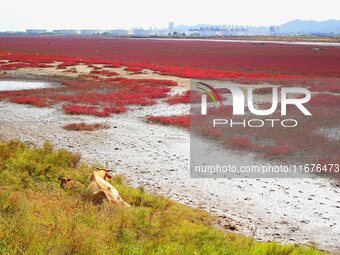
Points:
[[100, 189], [68, 183]]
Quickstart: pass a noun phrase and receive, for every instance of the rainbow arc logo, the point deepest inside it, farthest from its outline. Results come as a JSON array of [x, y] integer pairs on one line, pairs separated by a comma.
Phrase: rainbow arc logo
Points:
[[211, 92]]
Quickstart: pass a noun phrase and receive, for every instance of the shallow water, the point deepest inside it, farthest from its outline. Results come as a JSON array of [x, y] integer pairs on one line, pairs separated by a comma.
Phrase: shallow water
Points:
[[20, 85]]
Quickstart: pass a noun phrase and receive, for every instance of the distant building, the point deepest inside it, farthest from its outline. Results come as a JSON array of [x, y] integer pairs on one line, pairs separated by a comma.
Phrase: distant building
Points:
[[119, 32], [171, 27], [90, 32], [66, 32], [36, 31], [144, 32]]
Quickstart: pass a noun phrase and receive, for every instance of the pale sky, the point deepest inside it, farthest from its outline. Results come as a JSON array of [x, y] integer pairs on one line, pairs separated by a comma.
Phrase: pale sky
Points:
[[110, 14]]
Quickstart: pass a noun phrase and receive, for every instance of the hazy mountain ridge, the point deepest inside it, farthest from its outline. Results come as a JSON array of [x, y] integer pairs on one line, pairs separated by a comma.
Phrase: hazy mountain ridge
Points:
[[294, 26], [311, 26]]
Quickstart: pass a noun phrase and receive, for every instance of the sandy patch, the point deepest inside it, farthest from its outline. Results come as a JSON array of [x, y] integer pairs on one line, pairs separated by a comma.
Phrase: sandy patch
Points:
[[85, 69]]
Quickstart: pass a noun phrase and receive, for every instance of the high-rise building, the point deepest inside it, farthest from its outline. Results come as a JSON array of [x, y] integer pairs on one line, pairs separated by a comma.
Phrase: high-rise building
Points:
[[36, 31], [171, 27]]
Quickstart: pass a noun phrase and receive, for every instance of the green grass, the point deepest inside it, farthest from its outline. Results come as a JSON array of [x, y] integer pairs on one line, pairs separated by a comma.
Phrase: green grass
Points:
[[37, 216]]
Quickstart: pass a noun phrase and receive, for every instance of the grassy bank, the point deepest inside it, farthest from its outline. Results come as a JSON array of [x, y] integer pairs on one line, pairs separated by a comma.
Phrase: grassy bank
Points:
[[37, 216]]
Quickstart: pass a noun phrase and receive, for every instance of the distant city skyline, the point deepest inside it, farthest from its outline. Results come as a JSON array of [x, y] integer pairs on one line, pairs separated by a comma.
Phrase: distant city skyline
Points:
[[19, 15]]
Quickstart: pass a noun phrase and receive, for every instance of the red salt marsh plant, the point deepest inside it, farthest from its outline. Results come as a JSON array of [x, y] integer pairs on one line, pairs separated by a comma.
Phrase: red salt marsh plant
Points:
[[263, 91], [92, 110], [240, 142], [189, 96], [302, 144], [71, 70], [323, 85], [275, 151], [31, 100], [333, 88], [278, 59], [325, 100], [94, 67], [117, 99], [176, 120], [164, 82], [112, 65], [82, 126], [329, 163], [103, 95], [15, 66], [133, 69], [183, 98], [104, 72]]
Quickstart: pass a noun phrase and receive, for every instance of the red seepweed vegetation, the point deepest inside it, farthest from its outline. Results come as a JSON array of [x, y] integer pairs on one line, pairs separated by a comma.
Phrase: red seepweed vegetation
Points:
[[31, 100], [104, 72], [183, 98], [306, 143], [134, 69], [179, 120], [325, 100], [92, 110], [85, 126], [240, 142], [234, 57], [96, 96], [39, 60], [240, 62], [189, 96]]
